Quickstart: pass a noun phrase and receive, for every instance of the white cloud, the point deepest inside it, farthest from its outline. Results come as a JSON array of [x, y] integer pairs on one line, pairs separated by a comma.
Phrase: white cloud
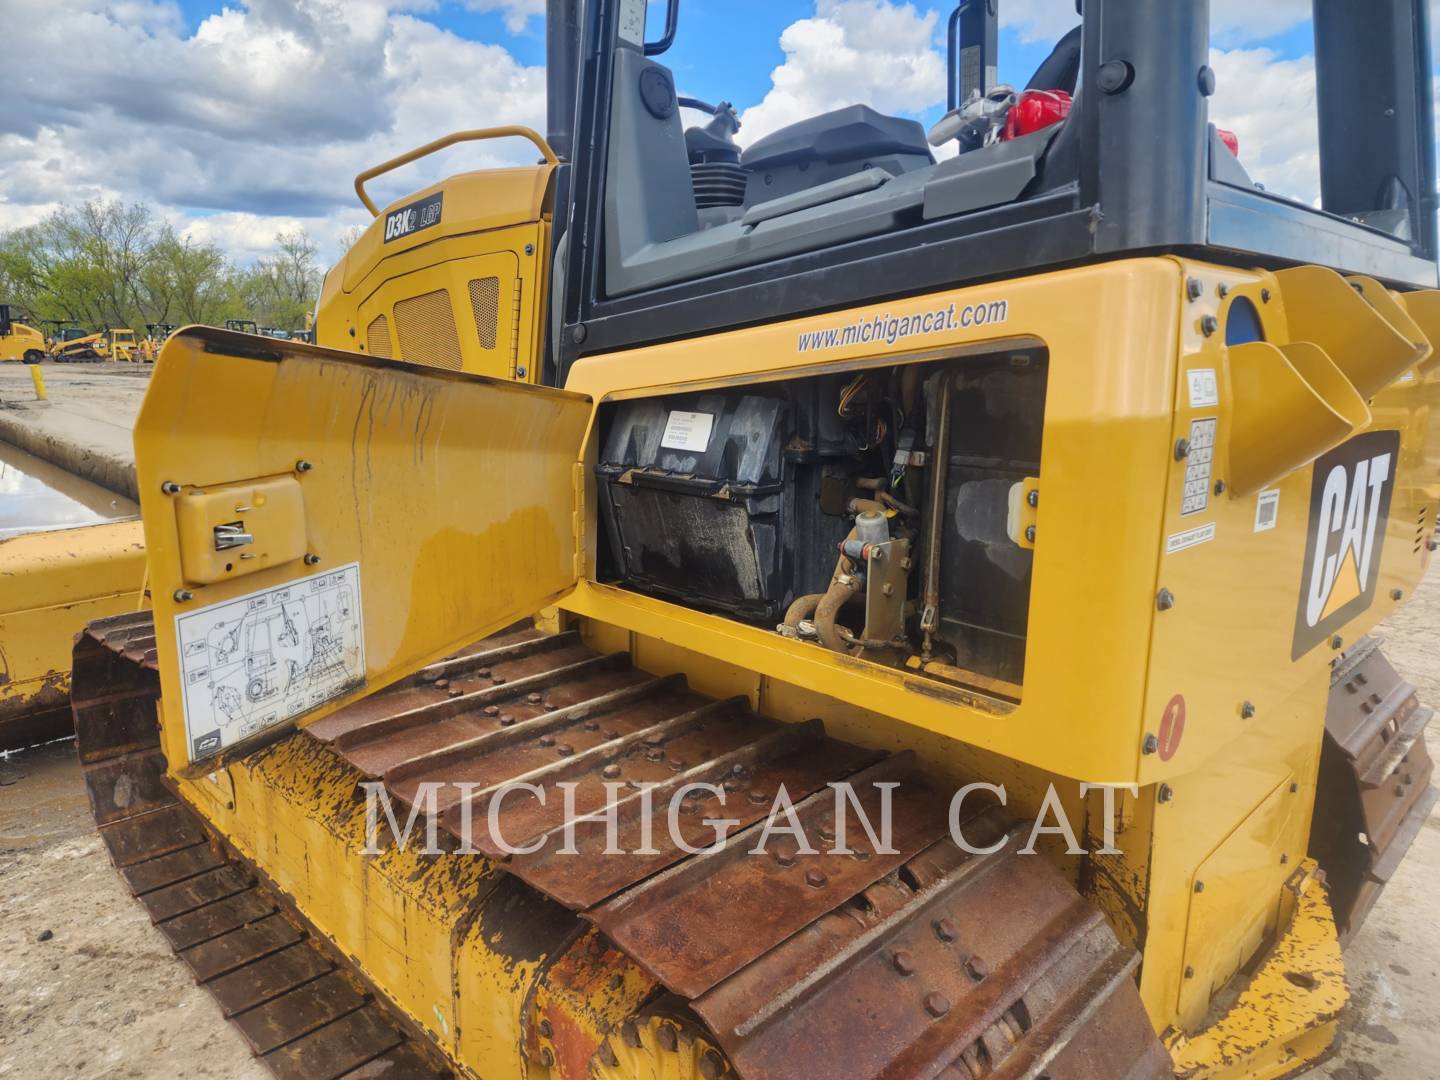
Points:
[[266, 112], [517, 12], [852, 51], [1270, 105]]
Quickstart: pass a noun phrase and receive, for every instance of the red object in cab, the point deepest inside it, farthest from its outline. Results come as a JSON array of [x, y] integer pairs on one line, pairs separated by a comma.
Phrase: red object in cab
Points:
[[1230, 139], [1035, 111]]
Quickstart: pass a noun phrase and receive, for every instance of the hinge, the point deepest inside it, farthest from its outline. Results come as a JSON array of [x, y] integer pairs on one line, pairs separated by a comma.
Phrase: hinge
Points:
[[577, 519], [515, 326]]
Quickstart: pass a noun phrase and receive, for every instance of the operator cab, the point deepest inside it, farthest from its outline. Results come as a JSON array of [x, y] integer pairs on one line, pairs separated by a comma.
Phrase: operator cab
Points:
[[1107, 149]]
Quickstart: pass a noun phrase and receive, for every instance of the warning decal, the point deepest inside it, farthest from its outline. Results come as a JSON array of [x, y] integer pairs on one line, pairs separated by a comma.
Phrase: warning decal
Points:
[[1172, 727], [259, 660], [1198, 464]]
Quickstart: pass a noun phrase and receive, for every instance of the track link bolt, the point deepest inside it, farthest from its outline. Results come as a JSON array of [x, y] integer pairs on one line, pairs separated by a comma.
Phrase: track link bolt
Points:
[[785, 857], [547, 741], [454, 692], [183, 596], [610, 772], [759, 798], [492, 710], [946, 930], [667, 1037], [441, 684], [170, 487], [903, 962], [533, 699], [937, 1005], [815, 879], [977, 968], [1247, 710]]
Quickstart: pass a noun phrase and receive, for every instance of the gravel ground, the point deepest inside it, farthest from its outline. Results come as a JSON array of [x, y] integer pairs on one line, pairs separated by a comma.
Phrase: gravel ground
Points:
[[101, 996]]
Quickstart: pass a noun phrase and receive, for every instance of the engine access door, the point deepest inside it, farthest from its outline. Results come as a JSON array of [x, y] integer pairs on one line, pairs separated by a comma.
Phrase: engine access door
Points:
[[320, 523]]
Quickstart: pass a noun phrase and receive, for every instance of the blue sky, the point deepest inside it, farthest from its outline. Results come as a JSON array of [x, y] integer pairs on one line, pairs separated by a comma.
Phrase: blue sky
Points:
[[236, 121]]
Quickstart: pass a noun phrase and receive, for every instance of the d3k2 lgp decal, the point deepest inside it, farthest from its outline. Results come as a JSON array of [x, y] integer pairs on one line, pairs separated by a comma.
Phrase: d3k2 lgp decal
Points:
[[1349, 505]]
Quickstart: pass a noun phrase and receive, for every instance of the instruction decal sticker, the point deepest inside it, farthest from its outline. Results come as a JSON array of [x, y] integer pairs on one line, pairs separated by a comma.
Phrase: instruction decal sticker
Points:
[[1349, 506], [259, 660]]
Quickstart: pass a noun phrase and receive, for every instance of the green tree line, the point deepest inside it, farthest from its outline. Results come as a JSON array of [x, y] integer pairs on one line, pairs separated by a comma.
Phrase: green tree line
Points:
[[108, 264]]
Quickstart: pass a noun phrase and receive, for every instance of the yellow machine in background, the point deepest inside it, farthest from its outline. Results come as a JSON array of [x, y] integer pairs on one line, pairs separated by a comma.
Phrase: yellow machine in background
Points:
[[113, 344], [940, 486], [19, 341]]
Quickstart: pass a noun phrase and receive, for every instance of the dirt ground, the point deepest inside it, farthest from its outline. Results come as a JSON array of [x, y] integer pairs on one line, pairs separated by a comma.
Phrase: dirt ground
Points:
[[102, 997]]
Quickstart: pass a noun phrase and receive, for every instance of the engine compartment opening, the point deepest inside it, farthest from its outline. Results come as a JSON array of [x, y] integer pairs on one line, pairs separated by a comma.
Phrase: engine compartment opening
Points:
[[886, 513]]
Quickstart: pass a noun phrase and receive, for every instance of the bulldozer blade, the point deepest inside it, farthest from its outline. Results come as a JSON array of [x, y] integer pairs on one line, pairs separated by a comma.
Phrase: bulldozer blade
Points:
[[948, 963], [1374, 788]]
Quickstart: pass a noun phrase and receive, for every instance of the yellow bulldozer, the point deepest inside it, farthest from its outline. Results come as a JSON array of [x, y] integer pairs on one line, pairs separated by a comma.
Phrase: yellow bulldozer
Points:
[[807, 610]]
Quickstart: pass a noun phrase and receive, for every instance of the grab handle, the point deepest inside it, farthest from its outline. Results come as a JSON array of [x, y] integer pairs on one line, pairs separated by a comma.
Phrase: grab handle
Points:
[[473, 135]]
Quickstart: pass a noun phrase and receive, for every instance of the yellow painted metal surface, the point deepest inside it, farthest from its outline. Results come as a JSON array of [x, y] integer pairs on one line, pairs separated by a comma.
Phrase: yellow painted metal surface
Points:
[[271, 513], [51, 585], [468, 293], [1286, 1016], [463, 502], [451, 492]]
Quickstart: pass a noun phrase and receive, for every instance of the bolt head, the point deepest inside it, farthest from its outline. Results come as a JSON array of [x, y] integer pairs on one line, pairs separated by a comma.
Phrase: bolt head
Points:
[[1337, 642], [529, 249], [815, 879], [1264, 296], [1193, 289], [183, 595], [1397, 594], [1199, 886], [311, 559], [937, 1005], [1151, 744], [946, 930], [1189, 972], [977, 968], [303, 466], [1208, 325], [1165, 793], [1164, 600], [169, 487], [1247, 710], [1223, 290], [903, 962], [1219, 487], [667, 1037], [1030, 533], [1182, 449], [611, 771], [785, 857], [1032, 497]]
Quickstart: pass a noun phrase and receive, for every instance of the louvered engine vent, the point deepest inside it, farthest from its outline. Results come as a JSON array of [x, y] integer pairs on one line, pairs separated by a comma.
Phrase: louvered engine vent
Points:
[[717, 183]]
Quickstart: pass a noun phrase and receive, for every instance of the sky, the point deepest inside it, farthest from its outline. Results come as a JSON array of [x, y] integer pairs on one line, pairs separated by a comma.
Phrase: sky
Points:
[[239, 120]]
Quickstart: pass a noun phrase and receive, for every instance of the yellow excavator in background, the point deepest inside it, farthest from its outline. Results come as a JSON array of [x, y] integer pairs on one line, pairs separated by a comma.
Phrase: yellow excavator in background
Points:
[[647, 504], [19, 341]]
